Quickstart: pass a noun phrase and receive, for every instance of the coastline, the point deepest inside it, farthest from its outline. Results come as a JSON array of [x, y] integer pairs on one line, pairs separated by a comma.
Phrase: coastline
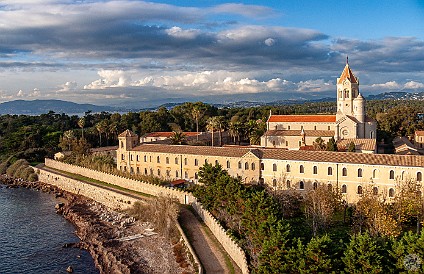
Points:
[[117, 242]]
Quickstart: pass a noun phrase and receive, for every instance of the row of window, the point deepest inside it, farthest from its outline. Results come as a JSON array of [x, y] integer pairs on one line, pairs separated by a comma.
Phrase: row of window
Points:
[[301, 127], [158, 173], [330, 187], [344, 172]]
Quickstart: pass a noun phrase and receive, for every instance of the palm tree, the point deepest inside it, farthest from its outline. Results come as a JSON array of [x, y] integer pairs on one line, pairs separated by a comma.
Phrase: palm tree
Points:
[[101, 128], [178, 138], [221, 124], [211, 125], [196, 116], [81, 124]]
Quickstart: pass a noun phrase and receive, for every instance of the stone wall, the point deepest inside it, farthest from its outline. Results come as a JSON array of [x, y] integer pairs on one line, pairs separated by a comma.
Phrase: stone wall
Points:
[[151, 189], [107, 197], [232, 248]]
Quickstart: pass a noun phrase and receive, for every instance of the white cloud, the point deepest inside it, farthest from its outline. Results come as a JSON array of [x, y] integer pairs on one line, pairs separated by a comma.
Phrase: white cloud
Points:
[[413, 85], [110, 79], [35, 93], [315, 85], [68, 86], [269, 42], [178, 32], [20, 93], [387, 85]]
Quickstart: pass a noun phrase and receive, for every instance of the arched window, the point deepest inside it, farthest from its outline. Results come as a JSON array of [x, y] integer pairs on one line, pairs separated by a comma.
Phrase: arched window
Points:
[[330, 170], [125, 168], [138, 170], [344, 189], [315, 185], [344, 171], [176, 160], [239, 165], [122, 144], [228, 164], [288, 184], [374, 173], [145, 158], [216, 162], [359, 190], [274, 183], [315, 170], [151, 171], [206, 161], [185, 161], [419, 176], [252, 166], [167, 160], [196, 162], [274, 167], [168, 172], [138, 158], [262, 166], [196, 176], [330, 187], [359, 172], [131, 170], [131, 157], [301, 169], [176, 174], [145, 171], [158, 172], [301, 185], [375, 190], [403, 175], [392, 174], [186, 174], [122, 157], [246, 166], [287, 168], [391, 192], [158, 159]]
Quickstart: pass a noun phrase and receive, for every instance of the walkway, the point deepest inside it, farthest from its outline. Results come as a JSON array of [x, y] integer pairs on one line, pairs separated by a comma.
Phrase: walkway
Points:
[[210, 252]]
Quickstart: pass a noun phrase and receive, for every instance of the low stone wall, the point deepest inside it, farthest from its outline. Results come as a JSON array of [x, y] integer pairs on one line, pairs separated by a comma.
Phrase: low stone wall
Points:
[[151, 189], [109, 198], [230, 246]]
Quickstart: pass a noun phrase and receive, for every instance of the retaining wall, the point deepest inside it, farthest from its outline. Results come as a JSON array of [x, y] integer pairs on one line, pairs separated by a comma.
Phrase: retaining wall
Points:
[[230, 246], [151, 189], [109, 198]]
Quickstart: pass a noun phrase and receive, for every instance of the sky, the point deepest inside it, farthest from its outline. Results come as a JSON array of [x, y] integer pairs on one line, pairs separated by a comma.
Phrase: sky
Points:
[[133, 53]]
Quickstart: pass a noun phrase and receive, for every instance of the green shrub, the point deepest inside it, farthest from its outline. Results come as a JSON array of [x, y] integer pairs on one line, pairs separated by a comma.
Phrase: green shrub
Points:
[[32, 177]]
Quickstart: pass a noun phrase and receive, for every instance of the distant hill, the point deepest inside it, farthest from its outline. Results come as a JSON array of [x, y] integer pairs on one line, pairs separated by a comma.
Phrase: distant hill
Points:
[[37, 107], [397, 95]]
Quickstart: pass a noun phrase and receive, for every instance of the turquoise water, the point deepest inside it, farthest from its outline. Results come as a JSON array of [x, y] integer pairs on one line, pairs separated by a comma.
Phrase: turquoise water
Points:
[[32, 235]]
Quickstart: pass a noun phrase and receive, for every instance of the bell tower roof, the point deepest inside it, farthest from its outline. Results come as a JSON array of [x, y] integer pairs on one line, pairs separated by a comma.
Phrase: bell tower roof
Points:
[[347, 74]]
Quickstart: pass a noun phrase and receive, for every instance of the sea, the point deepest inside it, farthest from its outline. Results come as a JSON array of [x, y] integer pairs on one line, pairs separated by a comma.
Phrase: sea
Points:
[[32, 235]]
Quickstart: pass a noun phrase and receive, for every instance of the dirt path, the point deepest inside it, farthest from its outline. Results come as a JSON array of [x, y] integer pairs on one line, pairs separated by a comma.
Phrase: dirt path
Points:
[[211, 254]]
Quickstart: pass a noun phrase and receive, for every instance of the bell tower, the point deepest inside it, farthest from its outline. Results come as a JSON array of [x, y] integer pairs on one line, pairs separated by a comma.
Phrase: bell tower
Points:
[[347, 91]]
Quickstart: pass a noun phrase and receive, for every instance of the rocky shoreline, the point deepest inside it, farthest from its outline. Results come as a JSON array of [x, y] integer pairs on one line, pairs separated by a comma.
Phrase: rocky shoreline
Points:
[[117, 242]]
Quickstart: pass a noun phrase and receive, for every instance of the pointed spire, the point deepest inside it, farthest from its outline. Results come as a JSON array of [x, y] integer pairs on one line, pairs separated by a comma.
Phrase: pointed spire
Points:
[[347, 59]]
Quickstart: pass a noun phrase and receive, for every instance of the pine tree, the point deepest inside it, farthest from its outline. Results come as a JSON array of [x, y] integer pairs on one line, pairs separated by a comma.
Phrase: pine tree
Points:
[[332, 145], [362, 255]]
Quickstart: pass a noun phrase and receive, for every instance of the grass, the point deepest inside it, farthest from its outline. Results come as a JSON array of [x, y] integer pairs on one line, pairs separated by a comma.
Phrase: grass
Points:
[[97, 182]]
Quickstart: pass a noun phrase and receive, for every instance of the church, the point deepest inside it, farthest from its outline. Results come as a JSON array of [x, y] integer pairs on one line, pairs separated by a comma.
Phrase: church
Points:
[[350, 124]]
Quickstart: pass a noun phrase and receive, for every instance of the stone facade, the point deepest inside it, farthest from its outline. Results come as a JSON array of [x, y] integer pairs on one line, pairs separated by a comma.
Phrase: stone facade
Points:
[[350, 172]]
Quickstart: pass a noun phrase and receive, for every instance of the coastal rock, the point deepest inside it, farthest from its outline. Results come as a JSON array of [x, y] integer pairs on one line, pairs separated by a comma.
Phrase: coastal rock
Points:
[[69, 269]]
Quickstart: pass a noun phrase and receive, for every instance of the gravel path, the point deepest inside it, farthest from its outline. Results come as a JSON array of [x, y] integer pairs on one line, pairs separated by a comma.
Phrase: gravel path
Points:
[[209, 251]]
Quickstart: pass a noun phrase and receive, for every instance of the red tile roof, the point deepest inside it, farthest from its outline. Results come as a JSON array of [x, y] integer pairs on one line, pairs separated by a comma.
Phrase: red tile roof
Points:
[[419, 133], [347, 74], [361, 144], [167, 134], [303, 118], [127, 133]]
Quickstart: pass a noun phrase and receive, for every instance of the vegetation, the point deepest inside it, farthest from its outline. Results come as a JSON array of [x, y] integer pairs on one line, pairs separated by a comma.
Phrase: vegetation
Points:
[[18, 169], [284, 232]]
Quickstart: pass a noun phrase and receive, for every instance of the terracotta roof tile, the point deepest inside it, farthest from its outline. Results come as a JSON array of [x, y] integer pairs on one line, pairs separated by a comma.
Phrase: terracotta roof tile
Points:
[[315, 133], [303, 118], [167, 134], [347, 74], [419, 133], [362, 144], [127, 133]]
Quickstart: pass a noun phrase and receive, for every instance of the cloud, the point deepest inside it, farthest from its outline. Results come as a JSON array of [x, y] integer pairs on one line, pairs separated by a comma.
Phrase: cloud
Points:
[[110, 79], [387, 85], [68, 86], [413, 85], [318, 85], [269, 42], [178, 32]]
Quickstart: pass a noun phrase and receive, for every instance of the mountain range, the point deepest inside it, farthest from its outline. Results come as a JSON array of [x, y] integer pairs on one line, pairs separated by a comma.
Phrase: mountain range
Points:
[[37, 107]]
